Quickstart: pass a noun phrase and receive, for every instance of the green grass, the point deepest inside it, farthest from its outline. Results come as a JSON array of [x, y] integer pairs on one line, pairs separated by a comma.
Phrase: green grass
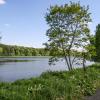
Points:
[[64, 85]]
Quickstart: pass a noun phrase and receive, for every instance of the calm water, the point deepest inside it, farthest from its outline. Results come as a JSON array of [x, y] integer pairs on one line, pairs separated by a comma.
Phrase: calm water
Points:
[[11, 71]]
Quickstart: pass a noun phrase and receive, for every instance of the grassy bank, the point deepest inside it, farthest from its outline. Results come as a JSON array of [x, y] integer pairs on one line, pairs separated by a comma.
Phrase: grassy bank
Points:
[[54, 86]]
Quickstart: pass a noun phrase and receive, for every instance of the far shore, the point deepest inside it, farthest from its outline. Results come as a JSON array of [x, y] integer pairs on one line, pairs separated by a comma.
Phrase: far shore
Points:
[[22, 56]]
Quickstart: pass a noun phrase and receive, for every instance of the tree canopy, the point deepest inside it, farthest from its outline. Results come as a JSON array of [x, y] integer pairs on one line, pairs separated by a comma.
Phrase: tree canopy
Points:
[[68, 30], [97, 43]]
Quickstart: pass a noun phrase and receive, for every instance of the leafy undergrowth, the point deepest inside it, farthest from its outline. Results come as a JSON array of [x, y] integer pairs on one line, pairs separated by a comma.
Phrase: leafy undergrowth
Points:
[[64, 85]]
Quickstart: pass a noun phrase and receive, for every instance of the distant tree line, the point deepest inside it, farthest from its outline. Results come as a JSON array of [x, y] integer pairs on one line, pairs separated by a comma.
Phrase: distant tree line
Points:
[[9, 50]]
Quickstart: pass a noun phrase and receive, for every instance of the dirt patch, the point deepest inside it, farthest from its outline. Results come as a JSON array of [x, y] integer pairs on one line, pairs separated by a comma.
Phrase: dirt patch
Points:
[[96, 96]]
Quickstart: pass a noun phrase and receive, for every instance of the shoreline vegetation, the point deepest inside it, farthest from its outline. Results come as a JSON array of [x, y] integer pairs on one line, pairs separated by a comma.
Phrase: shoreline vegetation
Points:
[[16, 61], [22, 56], [64, 85], [21, 60], [15, 51]]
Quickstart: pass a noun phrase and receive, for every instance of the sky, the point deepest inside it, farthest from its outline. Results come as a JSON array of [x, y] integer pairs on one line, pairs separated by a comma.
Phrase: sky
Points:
[[22, 22]]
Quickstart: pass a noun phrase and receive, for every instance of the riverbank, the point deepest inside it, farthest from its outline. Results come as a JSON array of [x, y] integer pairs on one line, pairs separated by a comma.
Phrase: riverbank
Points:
[[65, 85], [23, 56], [21, 60]]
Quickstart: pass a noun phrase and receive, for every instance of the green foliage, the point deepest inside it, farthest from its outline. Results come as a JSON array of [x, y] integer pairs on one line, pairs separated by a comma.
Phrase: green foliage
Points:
[[91, 49], [1, 50], [65, 85], [68, 30], [97, 43], [9, 50]]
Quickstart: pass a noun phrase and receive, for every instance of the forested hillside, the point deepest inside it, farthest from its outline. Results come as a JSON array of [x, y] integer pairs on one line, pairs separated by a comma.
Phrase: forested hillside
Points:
[[10, 50]]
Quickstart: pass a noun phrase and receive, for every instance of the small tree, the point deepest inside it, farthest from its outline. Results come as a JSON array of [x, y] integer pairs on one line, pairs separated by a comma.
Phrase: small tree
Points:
[[97, 43], [68, 31]]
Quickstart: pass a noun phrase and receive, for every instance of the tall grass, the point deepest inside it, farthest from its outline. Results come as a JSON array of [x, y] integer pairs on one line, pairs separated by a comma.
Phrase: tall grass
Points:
[[63, 85]]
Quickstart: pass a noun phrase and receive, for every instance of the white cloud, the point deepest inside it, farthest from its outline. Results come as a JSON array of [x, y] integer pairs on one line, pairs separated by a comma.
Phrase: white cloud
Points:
[[2, 2], [7, 25]]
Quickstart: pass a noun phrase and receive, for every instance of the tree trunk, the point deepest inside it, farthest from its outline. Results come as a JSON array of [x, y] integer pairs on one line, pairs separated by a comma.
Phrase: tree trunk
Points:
[[69, 60], [84, 67], [66, 60]]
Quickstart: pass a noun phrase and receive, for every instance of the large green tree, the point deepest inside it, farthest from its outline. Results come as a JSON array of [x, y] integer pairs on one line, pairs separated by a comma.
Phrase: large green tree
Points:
[[97, 43], [68, 30]]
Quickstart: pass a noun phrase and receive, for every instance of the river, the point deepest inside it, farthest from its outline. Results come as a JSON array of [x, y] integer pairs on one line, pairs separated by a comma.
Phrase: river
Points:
[[12, 69]]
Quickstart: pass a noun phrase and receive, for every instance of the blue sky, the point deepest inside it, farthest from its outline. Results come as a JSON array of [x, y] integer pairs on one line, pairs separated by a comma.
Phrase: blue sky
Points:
[[22, 22]]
